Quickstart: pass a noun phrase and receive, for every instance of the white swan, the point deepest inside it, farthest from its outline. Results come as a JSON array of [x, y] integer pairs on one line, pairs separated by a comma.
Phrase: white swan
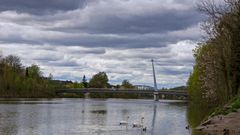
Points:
[[124, 122], [138, 125]]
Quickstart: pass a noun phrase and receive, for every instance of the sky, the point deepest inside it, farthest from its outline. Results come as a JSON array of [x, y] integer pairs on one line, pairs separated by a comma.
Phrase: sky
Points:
[[72, 38]]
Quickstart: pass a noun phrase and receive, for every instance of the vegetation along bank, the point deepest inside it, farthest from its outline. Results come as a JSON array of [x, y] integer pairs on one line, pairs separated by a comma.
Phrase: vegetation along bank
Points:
[[215, 80]]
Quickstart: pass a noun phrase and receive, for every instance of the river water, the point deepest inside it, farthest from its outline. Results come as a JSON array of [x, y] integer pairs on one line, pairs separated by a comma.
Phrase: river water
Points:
[[91, 117]]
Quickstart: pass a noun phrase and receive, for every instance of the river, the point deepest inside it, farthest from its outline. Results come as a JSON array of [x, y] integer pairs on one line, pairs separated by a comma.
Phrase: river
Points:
[[91, 117]]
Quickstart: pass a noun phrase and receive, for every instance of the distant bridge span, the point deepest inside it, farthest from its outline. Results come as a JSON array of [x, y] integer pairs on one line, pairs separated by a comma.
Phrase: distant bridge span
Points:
[[130, 91]]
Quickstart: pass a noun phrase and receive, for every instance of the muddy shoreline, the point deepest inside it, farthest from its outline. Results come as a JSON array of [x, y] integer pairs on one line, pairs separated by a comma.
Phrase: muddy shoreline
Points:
[[222, 124]]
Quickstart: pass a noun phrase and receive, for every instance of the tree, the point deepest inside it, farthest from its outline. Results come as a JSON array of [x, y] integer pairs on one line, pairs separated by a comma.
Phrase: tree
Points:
[[1, 71], [99, 80], [1, 64], [223, 29], [34, 71], [126, 85], [16, 81], [13, 61], [84, 82], [216, 75]]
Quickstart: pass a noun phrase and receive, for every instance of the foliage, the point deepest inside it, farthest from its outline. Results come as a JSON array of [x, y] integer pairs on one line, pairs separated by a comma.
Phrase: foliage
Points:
[[179, 88], [33, 71], [232, 106], [216, 75], [84, 82], [99, 80], [16, 81], [127, 85], [75, 85], [236, 103]]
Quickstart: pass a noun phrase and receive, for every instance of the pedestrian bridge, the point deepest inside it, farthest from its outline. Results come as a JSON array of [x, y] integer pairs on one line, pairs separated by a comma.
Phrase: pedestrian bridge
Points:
[[182, 93]]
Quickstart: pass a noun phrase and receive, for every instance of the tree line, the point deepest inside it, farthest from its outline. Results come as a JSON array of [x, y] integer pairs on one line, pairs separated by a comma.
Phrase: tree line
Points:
[[19, 81], [100, 80], [216, 75]]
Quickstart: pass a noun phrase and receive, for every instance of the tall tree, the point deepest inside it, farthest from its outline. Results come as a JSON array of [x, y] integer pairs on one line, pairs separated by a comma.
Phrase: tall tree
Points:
[[34, 71], [126, 85], [84, 82], [99, 80], [216, 76], [13, 61]]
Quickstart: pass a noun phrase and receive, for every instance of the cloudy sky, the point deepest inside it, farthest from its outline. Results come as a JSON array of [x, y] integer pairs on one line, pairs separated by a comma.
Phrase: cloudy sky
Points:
[[72, 38]]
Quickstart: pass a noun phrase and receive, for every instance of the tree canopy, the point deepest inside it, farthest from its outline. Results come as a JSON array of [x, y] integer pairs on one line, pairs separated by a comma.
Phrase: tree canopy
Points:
[[99, 80], [33, 71], [126, 85], [216, 75], [17, 81], [84, 82]]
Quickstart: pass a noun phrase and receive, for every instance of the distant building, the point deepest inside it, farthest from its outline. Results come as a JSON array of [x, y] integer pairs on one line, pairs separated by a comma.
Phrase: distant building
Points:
[[62, 82], [144, 87]]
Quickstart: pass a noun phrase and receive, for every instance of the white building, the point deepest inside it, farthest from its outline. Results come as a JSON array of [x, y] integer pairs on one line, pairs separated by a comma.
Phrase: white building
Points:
[[143, 87]]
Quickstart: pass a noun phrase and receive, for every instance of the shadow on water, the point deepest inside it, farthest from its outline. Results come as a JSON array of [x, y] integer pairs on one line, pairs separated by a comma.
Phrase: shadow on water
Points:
[[99, 111], [28, 101]]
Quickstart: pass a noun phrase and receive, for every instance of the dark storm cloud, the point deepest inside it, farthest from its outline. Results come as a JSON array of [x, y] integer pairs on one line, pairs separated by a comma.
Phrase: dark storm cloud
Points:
[[95, 51], [40, 7], [103, 23], [95, 40], [63, 64], [174, 71], [154, 23]]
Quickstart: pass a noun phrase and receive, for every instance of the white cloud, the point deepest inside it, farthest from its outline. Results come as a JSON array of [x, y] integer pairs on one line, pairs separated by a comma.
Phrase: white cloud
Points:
[[119, 37], [173, 62]]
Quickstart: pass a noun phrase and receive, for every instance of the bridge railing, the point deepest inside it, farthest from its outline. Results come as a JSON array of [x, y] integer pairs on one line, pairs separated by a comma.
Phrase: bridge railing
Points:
[[107, 90]]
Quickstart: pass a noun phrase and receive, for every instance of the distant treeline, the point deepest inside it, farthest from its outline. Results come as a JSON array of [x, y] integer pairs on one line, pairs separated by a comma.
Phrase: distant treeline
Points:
[[17, 80], [216, 76], [99, 80]]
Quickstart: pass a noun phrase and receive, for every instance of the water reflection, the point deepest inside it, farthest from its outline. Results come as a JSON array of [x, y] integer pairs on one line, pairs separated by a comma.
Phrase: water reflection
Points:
[[99, 111], [195, 114], [95, 117]]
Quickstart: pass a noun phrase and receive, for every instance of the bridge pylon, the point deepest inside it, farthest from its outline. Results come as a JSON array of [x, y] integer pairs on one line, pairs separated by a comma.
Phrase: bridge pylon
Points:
[[156, 96], [154, 76]]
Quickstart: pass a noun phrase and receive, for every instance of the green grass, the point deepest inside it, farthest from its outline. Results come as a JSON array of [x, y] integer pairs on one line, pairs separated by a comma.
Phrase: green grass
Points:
[[236, 103], [232, 106]]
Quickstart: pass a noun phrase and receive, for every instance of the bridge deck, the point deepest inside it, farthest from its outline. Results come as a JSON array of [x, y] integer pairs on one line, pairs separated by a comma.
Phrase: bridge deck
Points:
[[130, 91]]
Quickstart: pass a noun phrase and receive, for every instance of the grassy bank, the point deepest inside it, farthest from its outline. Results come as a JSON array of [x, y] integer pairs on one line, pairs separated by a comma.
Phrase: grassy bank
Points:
[[223, 120], [232, 106]]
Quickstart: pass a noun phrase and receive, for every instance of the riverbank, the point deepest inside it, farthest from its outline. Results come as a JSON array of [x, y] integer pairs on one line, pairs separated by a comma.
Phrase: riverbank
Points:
[[51, 94], [224, 121], [220, 124]]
